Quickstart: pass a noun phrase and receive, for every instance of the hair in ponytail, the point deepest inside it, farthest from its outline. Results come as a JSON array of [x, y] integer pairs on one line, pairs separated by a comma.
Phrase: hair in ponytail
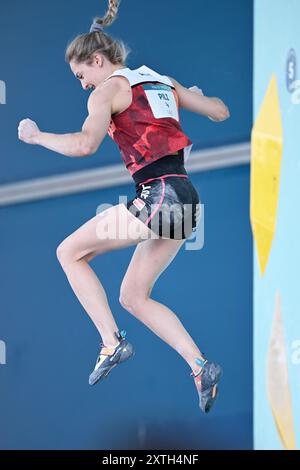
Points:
[[84, 46]]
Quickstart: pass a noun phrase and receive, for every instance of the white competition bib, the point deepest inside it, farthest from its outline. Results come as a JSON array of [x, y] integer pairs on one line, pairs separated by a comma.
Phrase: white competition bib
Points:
[[161, 100]]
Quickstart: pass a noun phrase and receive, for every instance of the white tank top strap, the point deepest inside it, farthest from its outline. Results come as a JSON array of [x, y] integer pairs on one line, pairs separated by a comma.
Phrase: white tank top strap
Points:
[[141, 75]]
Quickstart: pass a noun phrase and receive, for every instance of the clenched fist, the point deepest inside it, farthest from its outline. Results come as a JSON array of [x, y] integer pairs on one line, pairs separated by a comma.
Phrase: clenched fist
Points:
[[28, 131]]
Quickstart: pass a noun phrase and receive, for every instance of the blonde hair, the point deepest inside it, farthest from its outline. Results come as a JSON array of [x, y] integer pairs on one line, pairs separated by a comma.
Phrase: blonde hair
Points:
[[82, 48]]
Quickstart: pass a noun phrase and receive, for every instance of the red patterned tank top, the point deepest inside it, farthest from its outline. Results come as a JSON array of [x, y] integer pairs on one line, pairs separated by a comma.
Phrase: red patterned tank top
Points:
[[149, 128]]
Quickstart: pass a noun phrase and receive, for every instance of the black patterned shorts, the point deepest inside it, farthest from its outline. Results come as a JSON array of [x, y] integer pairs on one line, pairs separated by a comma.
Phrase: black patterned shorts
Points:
[[166, 200]]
